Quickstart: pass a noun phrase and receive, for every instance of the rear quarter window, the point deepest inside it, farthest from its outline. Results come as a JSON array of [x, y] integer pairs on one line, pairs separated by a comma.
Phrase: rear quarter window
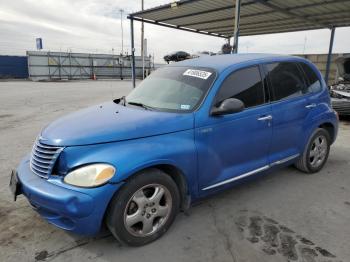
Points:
[[312, 80]]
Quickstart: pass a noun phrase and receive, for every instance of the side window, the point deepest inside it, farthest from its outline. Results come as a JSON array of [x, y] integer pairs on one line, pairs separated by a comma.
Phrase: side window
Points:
[[313, 83], [245, 85], [286, 79]]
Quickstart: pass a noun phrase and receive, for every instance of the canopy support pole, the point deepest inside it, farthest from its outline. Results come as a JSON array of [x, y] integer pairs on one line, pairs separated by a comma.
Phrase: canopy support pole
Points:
[[133, 73], [329, 57], [236, 32]]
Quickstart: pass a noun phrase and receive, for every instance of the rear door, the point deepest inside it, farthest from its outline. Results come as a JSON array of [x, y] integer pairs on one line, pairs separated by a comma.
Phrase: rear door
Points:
[[289, 109]]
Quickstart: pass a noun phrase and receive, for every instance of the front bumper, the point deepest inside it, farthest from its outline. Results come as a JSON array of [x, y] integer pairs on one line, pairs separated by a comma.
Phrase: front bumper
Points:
[[79, 210]]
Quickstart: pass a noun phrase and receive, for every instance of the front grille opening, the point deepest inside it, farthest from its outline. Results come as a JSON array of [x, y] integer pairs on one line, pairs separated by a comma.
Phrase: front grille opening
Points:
[[43, 158]]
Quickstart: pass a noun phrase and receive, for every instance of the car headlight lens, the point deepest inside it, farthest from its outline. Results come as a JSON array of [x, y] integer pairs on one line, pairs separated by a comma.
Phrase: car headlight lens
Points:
[[90, 176]]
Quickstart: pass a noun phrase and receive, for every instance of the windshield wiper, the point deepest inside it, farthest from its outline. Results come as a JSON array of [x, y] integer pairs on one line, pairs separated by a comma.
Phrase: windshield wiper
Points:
[[140, 105]]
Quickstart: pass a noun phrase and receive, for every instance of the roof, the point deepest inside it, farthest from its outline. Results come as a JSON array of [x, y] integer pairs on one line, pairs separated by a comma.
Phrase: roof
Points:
[[221, 62], [257, 16]]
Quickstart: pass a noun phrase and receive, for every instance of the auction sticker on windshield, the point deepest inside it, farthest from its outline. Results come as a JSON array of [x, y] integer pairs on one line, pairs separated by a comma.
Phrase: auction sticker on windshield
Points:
[[197, 73], [185, 107]]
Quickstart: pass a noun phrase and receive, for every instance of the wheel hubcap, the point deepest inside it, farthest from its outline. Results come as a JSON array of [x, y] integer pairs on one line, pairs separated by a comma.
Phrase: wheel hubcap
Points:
[[318, 151], [147, 210]]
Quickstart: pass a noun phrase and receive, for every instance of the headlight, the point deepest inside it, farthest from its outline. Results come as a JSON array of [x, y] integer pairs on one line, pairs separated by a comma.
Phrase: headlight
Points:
[[90, 176]]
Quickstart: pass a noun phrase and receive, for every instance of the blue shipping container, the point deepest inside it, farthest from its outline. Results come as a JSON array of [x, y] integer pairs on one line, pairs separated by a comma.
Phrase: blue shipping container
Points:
[[13, 67]]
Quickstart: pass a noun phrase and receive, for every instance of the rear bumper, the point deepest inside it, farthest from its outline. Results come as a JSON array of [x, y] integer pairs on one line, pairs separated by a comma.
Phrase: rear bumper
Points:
[[78, 210]]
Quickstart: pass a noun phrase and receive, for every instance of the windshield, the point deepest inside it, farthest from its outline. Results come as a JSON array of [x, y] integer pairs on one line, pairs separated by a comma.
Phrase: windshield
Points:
[[173, 89]]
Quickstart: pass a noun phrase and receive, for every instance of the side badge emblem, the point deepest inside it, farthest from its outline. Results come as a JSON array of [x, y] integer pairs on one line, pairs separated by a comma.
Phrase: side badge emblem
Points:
[[206, 130]]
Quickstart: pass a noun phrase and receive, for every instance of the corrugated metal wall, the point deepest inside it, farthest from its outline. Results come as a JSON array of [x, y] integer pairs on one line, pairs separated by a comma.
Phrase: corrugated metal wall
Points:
[[56, 65], [62, 65], [13, 67]]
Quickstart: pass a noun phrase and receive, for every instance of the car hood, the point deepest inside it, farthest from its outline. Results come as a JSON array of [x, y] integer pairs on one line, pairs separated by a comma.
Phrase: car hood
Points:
[[342, 93], [110, 122]]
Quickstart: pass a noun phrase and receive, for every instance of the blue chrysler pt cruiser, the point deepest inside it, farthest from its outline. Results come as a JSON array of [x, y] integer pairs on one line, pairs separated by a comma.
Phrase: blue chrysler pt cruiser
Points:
[[188, 130]]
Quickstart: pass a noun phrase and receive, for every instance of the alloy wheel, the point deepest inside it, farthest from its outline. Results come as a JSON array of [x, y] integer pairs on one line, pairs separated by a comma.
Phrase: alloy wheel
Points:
[[147, 210], [318, 151]]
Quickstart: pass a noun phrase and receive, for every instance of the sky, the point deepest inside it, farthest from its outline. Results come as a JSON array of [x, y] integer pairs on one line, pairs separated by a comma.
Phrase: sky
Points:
[[94, 26]]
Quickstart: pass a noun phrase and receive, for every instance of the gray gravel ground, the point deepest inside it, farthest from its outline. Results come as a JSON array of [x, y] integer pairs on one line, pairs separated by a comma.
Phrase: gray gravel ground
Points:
[[283, 216]]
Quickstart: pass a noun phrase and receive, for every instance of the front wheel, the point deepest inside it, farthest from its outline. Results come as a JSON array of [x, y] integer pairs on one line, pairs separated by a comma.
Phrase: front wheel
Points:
[[144, 208], [316, 152]]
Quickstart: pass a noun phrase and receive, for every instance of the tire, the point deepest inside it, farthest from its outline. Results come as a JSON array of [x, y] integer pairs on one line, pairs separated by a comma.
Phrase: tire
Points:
[[315, 154], [144, 208]]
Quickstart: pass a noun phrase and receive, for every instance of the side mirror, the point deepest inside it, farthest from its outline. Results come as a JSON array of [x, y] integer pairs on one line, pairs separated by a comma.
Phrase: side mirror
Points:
[[228, 106]]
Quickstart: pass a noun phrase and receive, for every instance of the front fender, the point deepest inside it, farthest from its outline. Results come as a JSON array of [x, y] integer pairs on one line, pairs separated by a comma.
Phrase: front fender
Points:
[[130, 156]]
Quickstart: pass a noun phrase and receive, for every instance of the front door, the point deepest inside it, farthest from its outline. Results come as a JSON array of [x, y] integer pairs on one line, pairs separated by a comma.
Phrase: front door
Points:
[[236, 145]]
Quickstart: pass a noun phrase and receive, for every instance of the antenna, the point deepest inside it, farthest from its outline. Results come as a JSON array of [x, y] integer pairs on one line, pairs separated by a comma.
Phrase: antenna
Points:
[[305, 40], [142, 43], [121, 26]]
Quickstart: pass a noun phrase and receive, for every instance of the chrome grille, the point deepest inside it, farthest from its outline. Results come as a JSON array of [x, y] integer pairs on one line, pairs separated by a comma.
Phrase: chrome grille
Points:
[[43, 158]]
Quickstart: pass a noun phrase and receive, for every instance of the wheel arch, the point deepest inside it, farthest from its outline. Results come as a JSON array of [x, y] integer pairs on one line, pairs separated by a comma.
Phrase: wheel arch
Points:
[[180, 179], [330, 128], [324, 118], [175, 173]]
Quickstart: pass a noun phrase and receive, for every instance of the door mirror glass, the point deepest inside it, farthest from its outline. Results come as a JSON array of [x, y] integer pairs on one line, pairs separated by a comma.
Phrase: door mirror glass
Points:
[[228, 106]]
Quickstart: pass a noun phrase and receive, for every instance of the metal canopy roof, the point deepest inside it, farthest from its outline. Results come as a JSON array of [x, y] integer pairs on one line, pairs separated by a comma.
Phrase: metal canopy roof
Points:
[[256, 16]]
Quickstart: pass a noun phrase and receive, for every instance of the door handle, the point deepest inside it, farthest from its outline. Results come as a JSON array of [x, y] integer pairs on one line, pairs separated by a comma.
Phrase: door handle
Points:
[[311, 105], [265, 118]]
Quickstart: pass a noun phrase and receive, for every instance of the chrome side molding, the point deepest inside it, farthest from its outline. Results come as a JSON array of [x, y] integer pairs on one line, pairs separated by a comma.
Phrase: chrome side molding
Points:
[[279, 162], [284, 160]]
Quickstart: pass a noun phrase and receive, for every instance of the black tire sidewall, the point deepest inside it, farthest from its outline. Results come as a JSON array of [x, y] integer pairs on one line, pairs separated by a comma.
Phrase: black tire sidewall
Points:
[[317, 132], [115, 213]]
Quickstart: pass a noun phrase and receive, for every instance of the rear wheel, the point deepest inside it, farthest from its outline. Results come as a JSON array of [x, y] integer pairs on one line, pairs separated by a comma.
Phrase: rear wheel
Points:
[[144, 208], [316, 152]]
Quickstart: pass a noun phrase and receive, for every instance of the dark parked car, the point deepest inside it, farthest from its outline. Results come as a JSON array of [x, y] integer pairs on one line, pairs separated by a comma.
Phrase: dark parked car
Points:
[[189, 130], [340, 92], [177, 56]]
